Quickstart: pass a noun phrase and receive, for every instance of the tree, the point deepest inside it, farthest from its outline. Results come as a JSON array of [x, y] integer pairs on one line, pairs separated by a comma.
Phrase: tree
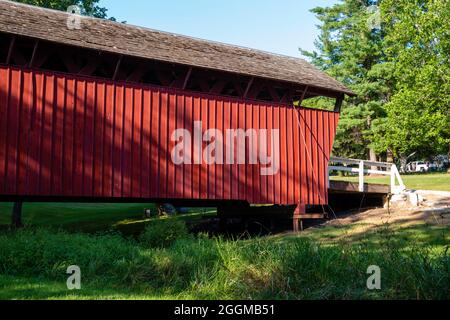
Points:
[[418, 46], [350, 49], [400, 72], [88, 7]]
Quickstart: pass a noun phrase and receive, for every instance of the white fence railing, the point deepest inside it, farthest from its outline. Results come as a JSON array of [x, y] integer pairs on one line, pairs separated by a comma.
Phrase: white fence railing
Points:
[[359, 167]]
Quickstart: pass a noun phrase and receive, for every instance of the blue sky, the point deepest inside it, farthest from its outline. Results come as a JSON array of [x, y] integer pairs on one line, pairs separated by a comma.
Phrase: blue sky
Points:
[[280, 26]]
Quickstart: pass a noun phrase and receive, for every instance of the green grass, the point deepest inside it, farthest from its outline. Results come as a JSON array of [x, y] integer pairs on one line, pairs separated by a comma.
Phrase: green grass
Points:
[[87, 217], [429, 181], [75, 216], [33, 265], [434, 237], [322, 263], [16, 287]]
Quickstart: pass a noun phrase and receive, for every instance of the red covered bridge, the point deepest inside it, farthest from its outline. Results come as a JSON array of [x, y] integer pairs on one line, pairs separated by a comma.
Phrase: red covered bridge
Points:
[[105, 111]]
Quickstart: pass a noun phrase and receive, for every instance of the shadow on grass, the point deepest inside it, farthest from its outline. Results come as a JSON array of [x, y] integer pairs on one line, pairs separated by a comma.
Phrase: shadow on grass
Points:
[[24, 288], [372, 235]]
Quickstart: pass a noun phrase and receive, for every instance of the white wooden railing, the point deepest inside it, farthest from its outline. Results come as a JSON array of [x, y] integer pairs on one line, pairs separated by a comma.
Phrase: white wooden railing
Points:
[[383, 168]]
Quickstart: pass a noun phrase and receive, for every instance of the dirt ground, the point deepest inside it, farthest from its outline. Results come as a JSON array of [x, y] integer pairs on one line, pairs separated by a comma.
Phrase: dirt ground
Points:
[[434, 210]]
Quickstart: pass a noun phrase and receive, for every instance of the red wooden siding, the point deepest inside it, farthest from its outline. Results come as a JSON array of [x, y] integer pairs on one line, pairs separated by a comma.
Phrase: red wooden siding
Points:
[[68, 136]]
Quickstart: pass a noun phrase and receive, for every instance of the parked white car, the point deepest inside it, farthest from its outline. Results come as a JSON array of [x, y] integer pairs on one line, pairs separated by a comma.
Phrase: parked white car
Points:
[[418, 166]]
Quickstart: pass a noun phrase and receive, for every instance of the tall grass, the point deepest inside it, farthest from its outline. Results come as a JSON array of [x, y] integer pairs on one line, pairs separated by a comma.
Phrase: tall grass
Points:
[[215, 268]]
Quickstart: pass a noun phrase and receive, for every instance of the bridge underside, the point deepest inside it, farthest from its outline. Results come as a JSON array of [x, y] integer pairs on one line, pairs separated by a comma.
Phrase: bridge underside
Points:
[[343, 196]]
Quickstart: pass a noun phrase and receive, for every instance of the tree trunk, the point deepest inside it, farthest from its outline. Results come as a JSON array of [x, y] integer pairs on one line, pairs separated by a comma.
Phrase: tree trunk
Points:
[[16, 216], [448, 154], [448, 158], [403, 163], [389, 156], [373, 157]]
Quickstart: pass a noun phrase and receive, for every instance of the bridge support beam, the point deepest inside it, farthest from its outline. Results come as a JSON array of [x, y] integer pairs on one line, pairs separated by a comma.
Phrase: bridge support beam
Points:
[[16, 216], [296, 219]]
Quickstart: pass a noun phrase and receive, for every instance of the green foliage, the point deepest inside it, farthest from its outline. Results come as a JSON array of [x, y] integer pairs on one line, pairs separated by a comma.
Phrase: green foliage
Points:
[[163, 233], [352, 52], [418, 47], [204, 268], [88, 7], [400, 73], [48, 253]]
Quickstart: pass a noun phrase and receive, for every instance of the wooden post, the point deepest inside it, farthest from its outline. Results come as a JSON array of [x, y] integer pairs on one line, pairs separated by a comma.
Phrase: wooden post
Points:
[[338, 105], [361, 176], [296, 219], [16, 216]]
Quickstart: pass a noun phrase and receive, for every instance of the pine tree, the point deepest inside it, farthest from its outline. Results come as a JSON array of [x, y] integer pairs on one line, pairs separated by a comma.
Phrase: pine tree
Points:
[[88, 7], [349, 48]]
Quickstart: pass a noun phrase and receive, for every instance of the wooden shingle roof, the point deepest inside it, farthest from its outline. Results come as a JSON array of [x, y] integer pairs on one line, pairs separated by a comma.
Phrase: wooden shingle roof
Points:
[[125, 39]]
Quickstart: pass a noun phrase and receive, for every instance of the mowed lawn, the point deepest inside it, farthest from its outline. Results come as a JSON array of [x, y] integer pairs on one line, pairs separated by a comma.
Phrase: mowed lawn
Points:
[[83, 217], [127, 218], [430, 181]]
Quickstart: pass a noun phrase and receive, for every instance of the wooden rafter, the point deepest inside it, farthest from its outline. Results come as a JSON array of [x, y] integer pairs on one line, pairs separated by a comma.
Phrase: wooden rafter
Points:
[[218, 87], [273, 93], [10, 49], [256, 88], [249, 85], [89, 68], [116, 70], [238, 88], [182, 79], [303, 96], [186, 79], [159, 73], [163, 78], [287, 97], [18, 57], [137, 74], [203, 85], [69, 63], [33, 55], [41, 56]]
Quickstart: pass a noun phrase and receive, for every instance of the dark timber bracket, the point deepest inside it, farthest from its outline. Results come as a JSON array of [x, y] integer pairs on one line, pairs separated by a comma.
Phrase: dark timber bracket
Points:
[[303, 96], [33, 55], [137, 74], [218, 87], [37, 54], [16, 216], [41, 55], [249, 85], [89, 68], [338, 105], [186, 79], [10, 50], [116, 71]]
